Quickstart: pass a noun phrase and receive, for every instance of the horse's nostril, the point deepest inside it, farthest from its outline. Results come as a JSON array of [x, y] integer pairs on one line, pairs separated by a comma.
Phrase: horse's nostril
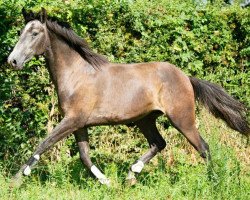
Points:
[[14, 62]]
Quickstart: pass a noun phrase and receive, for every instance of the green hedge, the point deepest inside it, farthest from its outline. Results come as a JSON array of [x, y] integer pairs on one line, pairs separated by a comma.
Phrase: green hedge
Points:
[[209, 42]]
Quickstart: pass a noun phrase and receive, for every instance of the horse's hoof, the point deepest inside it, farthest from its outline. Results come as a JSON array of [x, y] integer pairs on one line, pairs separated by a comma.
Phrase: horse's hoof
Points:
[[131, 178], [105, 181], [15, 182], [131, 181]]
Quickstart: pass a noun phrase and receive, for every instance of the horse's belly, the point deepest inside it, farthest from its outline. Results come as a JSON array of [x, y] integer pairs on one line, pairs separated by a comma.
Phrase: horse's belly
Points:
[[123, 108]]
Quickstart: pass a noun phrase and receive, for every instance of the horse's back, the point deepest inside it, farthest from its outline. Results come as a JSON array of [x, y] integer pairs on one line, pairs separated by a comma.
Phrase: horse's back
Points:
[[153, 75]]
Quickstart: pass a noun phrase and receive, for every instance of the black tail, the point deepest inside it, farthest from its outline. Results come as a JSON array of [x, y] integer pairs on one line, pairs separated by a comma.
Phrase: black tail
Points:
[[221, 104]]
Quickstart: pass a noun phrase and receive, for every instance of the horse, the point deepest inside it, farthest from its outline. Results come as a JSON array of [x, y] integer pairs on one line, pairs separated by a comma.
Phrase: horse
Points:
[[92, 91]]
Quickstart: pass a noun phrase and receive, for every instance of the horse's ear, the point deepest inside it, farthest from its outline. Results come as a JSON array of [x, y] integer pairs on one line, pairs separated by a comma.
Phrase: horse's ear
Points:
[[28, 16], [43, 15], [25, 14]]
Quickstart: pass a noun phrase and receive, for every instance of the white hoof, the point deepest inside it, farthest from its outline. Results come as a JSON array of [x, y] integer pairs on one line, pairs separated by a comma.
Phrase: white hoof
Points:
[[131, 179], [131, 175]]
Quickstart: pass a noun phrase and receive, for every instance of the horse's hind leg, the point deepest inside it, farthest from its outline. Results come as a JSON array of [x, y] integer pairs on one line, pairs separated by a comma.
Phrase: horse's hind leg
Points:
[[183, 119], [156, 142], [82, 140]]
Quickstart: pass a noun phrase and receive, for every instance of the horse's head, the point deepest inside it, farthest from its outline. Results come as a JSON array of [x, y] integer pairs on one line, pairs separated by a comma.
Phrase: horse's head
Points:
[[33, 40]]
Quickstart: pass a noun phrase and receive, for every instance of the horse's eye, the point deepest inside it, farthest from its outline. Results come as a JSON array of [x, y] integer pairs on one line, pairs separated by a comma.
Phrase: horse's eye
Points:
[[35, 34]]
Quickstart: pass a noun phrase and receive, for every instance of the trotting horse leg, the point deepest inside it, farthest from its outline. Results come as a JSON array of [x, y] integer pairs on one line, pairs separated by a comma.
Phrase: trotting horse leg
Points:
[[82, 140], [184, 120], [64, 128], [156, 142]]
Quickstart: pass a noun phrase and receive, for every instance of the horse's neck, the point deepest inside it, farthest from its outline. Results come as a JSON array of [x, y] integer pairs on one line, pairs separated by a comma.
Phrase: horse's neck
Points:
[[65, 66]]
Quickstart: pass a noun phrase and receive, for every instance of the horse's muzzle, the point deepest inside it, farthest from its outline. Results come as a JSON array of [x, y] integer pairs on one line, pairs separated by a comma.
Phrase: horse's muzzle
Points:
[[14, 63]]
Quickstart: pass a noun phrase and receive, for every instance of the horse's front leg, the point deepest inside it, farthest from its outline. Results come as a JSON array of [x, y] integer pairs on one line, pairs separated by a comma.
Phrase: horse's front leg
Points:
[[82, 140], [64, 128]]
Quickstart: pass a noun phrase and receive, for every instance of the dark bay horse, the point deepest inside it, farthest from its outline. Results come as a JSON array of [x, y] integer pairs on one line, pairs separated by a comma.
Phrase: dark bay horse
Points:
[[91, 91]]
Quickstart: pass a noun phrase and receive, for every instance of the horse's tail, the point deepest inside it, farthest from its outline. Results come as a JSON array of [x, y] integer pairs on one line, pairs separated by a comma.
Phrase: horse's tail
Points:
[[221, 104]]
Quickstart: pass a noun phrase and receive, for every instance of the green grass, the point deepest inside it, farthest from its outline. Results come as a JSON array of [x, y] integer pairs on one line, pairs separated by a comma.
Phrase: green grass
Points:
[[177, 173]]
